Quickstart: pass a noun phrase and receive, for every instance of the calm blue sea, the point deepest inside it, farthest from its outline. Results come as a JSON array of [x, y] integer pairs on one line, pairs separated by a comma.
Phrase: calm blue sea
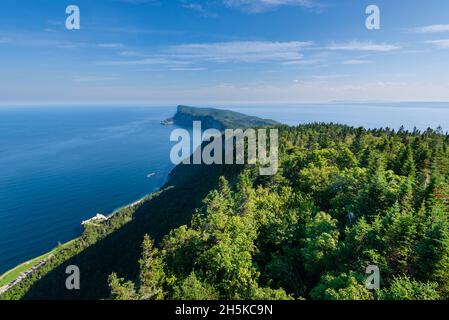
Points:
[[59, 166]]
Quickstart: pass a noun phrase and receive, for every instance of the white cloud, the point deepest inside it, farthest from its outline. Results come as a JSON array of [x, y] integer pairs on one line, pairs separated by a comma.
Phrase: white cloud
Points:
[[188, 69], [94, 78], [199, 8], [363, 46], [225, 52], [250, 6], [110, 45], [443, 43], [436, 28], [155, 60], [257, 6], [330, 76], [242, 51], [356, 62], [139, 1], [131, 53], [79, 45], [194, 7], [304, 62]]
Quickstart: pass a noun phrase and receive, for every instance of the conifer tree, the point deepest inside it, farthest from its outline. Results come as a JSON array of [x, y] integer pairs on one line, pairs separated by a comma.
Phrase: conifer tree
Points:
[[432, 260], [152, 276]]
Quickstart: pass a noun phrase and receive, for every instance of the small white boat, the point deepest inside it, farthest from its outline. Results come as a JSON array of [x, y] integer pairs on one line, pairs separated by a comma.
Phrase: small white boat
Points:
[[151, 175]]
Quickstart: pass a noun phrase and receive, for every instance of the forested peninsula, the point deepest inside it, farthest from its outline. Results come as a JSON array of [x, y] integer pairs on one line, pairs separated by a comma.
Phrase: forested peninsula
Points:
[[216, 119]]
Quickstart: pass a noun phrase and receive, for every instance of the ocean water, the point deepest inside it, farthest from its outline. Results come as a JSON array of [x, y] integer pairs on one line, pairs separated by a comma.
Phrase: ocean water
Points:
[[369, 115], [60, 166]]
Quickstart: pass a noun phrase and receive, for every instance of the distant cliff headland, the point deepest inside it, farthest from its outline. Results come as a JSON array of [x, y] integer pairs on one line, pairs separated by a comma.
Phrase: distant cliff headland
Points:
[[216, 119]]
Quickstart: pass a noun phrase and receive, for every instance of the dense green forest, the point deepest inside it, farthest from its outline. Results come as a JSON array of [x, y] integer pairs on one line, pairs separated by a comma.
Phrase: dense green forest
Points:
[[343, 199]]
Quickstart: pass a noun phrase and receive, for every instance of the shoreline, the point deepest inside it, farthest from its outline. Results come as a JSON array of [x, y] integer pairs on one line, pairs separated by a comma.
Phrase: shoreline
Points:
[[129, 205], [27, 268], [109, 216], [33, 262], [47, 256]]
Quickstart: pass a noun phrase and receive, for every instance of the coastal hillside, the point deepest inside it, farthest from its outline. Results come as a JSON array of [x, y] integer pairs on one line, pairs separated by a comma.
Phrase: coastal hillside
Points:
[[344, 199], [115, 244]]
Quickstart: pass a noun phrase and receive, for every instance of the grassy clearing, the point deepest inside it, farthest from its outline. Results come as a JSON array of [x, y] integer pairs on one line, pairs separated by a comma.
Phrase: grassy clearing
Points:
[[14, 273]]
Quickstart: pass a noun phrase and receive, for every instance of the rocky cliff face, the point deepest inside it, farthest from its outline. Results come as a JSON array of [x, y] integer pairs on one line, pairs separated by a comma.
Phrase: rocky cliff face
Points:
[[186, 120], [215, 119]]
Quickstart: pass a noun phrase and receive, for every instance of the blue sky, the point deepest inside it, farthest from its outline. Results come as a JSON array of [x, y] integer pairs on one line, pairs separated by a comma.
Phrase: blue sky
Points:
[[222, 52]]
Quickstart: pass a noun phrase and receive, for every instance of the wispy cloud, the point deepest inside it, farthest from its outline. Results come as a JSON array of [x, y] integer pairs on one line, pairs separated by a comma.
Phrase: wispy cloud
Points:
[[94, 78], [442, 43], [194, 7], [363, 46], [304, 62], [197, 7], [188, 69], [223, 52], [139, 1], [435, 28], [132, 53], [110, 45], [249, 6], [356, 62], [242, 51], [155, 60], [78, 45], [330, 76], [257, 6]]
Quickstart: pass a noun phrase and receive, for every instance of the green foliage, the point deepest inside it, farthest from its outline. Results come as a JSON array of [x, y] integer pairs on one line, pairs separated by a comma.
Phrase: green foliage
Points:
[[121, 289], [269, 294], [363, 245], [320, 243], [152, 276], [219, 119], [343, 199], [284, 270], [193, 288], [343, 287], [181, 249], [433, 256], [404, 288], [226, 259], [400, 239]]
